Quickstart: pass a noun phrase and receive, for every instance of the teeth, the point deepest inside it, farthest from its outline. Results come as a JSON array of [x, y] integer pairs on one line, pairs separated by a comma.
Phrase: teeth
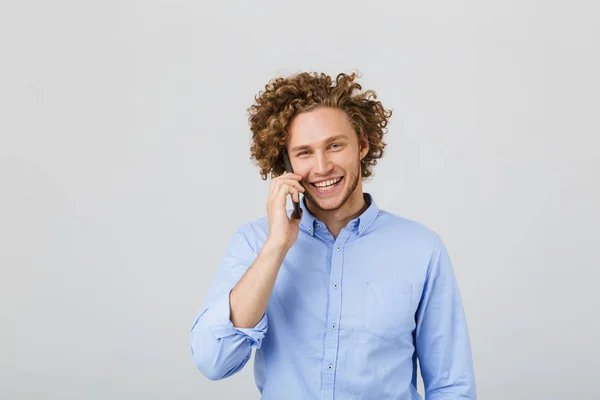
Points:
[[326, 188], [326, 183]]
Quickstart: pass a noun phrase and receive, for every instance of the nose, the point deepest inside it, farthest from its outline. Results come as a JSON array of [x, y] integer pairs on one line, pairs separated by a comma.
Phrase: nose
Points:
[[323, 164]]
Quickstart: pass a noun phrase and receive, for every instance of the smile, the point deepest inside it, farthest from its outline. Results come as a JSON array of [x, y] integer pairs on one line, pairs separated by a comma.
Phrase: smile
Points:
[[327, 186]]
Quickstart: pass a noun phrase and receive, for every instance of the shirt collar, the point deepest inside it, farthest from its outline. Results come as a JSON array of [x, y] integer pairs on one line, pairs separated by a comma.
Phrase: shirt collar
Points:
[[360, 224]]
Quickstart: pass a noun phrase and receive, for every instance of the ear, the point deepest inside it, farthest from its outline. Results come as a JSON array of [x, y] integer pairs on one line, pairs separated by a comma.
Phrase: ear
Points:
[[364, 146]]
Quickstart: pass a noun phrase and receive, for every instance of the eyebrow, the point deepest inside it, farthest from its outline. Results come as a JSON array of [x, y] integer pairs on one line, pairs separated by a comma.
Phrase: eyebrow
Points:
[[328, 140]]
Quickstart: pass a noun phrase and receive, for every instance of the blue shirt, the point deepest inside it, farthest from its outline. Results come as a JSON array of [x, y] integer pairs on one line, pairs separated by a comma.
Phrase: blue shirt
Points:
[[348, 317]]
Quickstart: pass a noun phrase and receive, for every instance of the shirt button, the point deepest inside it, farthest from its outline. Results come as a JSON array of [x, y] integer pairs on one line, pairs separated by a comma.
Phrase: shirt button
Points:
[[318, 225], [330, 367], [362, 228], [310, 229], [338, 247], [335, 286], [333, 326]]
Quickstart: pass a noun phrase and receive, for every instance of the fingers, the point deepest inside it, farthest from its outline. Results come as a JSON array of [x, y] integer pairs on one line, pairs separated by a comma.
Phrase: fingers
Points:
[[288, 178], [288, 175], [287, 189], [279, 198], [283, 185], [296, 196], [295, 184]]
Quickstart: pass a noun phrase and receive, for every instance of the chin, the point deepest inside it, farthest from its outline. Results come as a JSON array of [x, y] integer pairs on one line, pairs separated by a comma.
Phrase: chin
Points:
[[332, 203]]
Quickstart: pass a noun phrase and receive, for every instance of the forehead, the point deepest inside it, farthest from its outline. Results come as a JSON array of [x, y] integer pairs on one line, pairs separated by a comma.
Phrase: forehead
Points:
[[312, 127]]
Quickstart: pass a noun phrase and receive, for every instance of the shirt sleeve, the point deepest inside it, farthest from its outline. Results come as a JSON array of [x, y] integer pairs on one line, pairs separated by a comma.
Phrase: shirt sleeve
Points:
[[442, 339], [218, 348]]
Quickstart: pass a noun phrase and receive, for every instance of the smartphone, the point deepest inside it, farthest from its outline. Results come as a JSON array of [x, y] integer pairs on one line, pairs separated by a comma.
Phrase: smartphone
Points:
[[288, 167]]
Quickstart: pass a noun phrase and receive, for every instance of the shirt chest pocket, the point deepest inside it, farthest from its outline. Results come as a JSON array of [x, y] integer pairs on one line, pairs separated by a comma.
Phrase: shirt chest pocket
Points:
[[389, 309]]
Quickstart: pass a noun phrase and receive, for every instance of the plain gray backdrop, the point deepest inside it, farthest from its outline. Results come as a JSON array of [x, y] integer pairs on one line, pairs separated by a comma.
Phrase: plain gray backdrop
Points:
[[125, 170]]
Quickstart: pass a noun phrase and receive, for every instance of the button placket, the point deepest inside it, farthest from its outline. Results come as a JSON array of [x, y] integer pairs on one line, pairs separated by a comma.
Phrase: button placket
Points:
[[332, 336]]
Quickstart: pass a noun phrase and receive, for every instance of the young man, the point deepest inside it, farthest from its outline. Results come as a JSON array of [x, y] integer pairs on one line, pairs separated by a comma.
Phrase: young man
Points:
[[342, 302]]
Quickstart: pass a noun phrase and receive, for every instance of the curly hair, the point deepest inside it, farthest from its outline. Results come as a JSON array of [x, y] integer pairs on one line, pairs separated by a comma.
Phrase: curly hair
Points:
[[284, 98]]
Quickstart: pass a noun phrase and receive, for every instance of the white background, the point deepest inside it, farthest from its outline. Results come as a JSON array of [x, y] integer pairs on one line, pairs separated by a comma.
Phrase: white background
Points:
[[124, 171]]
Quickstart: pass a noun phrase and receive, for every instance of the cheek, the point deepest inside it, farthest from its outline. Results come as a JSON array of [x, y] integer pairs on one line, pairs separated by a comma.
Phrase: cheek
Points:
[[351, 164], [303, 171]]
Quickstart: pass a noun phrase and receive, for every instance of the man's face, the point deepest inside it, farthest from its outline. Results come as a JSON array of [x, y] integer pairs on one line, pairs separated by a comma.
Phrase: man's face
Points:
[[324, 149]]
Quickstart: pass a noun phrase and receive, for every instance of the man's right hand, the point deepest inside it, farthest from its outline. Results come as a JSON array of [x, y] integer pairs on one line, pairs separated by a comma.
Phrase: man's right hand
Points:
[[283, 230]]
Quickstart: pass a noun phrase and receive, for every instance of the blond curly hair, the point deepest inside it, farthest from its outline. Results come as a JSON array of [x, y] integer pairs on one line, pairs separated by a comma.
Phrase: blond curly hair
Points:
[[284, 98]]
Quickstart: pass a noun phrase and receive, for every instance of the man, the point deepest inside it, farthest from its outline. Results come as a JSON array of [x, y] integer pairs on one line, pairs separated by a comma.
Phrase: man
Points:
[[341, 302]]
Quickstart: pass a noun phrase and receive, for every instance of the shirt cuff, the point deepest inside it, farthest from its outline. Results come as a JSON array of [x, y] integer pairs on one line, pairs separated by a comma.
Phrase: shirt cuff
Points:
[[221, 325]]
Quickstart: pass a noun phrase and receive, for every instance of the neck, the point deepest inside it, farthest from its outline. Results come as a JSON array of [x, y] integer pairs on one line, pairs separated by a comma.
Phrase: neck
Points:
[[336, 220]]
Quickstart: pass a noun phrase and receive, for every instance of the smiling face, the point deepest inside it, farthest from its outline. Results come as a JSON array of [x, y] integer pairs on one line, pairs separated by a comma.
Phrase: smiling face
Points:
[[324, 149]]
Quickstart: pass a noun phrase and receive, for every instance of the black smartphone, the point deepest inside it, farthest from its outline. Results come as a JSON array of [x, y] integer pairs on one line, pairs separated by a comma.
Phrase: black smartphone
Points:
[[288, 167]]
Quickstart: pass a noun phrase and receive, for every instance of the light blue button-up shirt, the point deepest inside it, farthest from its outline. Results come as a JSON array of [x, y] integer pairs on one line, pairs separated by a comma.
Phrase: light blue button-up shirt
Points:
[[348, 317]]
